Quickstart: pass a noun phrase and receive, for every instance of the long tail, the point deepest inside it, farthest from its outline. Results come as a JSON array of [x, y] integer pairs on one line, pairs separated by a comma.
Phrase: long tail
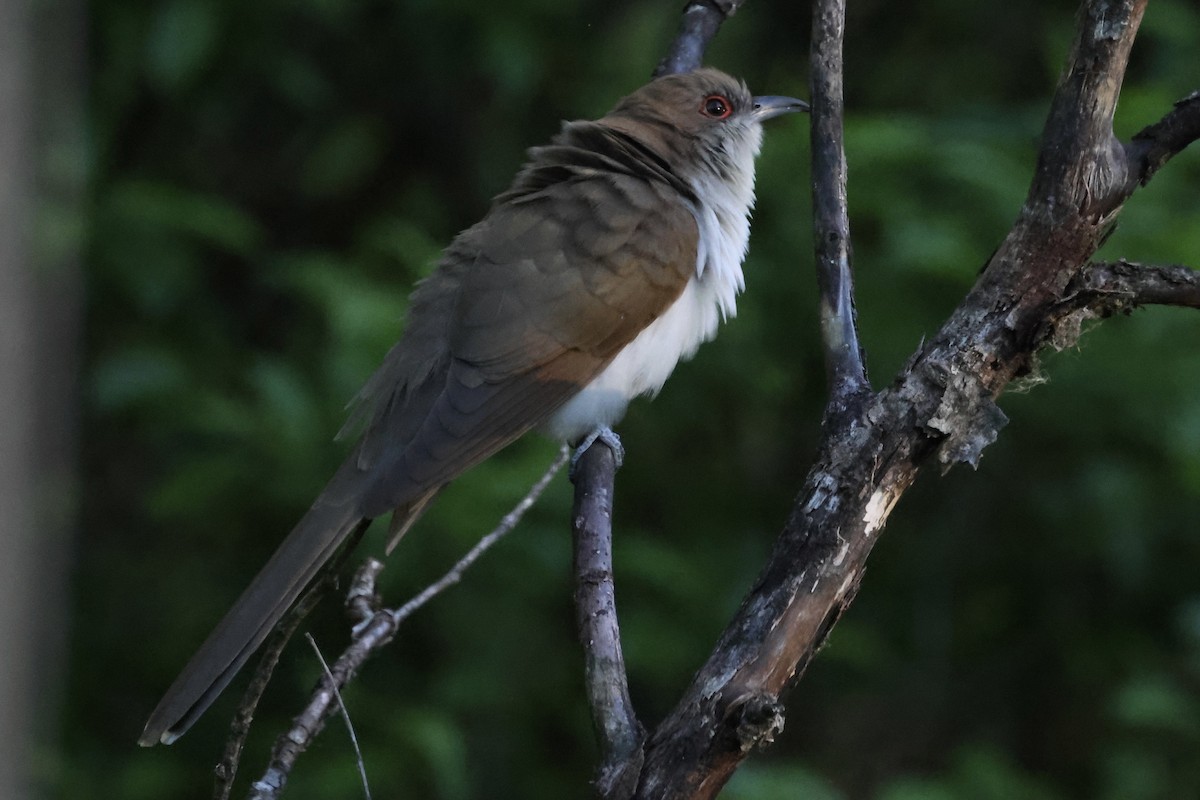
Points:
[[332, 518]]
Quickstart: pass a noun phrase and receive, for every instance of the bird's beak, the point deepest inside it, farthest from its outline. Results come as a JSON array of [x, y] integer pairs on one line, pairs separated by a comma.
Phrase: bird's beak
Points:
[[769, 106]]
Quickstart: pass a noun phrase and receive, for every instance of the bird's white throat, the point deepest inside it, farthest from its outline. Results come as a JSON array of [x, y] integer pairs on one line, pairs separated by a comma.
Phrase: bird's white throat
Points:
[[726, 198]]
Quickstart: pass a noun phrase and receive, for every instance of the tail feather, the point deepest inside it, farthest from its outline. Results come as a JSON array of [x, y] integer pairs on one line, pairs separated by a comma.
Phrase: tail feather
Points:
[[310, 544], [404, 516]]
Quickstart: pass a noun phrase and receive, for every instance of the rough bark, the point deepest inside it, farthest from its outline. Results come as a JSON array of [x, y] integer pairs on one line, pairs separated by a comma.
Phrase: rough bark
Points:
[[618, 730]]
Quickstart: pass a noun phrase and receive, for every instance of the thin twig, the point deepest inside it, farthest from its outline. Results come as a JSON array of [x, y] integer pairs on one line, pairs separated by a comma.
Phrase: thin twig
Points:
[[362, 601], [239, 727], [618, 731], [701, 20], [1126, 284], [1152, 146], [1115, 287], [509, 522], [369, 638], [358, 757], [845, 371], [1103, 289]]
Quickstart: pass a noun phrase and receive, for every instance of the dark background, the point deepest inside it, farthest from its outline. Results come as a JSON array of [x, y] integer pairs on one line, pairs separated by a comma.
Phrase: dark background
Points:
[[268, 179]]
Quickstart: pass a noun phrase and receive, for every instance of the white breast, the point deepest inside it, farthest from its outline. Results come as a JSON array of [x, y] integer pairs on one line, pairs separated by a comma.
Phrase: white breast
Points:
[[644, 365]]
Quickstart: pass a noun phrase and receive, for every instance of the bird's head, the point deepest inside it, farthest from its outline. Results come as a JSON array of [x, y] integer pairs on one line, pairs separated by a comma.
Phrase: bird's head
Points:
[[701, 121]]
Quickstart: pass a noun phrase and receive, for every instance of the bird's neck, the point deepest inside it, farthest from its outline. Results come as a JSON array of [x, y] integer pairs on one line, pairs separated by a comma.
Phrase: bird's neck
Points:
[[723, 186], [719, 192], [716, 184]]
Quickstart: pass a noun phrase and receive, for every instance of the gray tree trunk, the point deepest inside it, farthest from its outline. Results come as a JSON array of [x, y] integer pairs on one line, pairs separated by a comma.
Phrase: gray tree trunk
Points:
[[38, 364]]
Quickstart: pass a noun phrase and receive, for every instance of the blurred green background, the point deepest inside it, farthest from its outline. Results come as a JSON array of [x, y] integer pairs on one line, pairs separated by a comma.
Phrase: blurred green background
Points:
[[268, 179]]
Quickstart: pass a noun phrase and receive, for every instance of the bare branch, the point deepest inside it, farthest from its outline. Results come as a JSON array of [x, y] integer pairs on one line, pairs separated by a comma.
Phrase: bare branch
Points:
[[1121, 285], [617, 728], [239, 726], [831, 223], [701, 20], [509, 522], [369, 637], [1107, 288], [941, 404], [1104, 289], [358, 757], [311, 721], [1076, 193], [1155, 144], [1082, 168], [362, 601]]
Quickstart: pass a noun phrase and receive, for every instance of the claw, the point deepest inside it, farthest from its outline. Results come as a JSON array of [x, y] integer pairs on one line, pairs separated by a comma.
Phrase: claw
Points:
[[603, 434]]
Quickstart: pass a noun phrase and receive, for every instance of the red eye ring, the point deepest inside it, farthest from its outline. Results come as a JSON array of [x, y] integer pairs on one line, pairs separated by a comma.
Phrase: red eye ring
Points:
[[716, 106]]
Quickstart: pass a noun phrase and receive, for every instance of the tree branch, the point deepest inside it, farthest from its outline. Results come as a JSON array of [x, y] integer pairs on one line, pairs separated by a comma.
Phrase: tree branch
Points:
[[846, 374], [369, 637], [341, 707], [1082, 168], [1101, 290], [362, 601], [617, 728], [1118, 286], [941, 404], [701, 21], [239, 726], [1155, 144]]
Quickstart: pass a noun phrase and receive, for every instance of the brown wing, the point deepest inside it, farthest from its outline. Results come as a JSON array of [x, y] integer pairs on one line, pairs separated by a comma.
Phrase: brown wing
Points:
[[550, 286]]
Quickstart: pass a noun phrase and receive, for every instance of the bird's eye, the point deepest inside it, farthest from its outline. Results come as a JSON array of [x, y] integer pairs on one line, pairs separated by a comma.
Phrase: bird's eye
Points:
[[716, 107]]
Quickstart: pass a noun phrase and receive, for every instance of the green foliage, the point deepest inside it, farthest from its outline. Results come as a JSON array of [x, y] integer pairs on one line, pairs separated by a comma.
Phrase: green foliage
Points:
[[270, 178]]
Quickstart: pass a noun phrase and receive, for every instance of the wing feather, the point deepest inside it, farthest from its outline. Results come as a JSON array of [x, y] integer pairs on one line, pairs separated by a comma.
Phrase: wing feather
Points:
[[549, 287]]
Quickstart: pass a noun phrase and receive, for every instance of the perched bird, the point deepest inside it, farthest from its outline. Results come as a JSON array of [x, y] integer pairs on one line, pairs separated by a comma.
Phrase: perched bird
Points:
[[614, 254]]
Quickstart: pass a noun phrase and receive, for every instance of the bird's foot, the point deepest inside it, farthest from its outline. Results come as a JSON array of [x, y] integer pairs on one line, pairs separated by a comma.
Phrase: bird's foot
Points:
[[603, 434]]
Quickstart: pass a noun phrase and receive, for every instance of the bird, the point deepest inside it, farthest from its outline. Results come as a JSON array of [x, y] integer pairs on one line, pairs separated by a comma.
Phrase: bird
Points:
[[614, 254]]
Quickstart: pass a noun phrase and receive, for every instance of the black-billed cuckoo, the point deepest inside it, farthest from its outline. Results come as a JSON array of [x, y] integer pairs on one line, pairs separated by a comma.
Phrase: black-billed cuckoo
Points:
[[614, 254]]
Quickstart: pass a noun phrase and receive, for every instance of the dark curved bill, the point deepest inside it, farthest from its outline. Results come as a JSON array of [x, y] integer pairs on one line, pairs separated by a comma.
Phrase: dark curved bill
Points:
[[768, 106]]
